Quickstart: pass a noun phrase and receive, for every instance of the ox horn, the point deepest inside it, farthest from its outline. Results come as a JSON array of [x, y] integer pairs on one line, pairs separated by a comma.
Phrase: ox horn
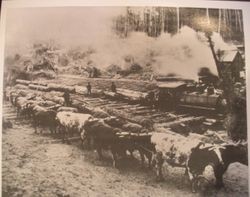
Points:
[[198, 146], [238, 142]]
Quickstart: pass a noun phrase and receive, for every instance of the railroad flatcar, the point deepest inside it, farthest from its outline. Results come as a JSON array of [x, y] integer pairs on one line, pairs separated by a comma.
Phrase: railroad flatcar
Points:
[[172, 95], [203, 101]]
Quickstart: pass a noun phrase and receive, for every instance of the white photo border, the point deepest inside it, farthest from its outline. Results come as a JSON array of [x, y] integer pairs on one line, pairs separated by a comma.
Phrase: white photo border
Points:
[[244, 6]]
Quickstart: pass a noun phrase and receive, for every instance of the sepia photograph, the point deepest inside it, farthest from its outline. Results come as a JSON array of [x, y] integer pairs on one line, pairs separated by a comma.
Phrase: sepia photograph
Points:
[[124, 101]]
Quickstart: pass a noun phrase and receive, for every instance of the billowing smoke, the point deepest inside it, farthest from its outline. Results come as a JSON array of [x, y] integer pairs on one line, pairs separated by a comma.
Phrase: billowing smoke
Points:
[[182, 54]]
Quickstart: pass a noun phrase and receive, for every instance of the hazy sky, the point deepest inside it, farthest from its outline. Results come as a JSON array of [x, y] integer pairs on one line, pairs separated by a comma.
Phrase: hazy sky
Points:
[[64, 24]]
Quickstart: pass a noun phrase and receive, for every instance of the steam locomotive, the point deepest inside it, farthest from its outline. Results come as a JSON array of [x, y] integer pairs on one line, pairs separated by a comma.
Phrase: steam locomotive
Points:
[[175, 95]]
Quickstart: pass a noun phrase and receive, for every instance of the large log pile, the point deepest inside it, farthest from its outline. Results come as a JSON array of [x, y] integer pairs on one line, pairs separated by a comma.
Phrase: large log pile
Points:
[[136, 113]]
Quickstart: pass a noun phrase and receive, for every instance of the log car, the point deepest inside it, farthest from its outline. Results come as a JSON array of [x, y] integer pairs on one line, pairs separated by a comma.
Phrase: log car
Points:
[[178, 94], [203, 101]]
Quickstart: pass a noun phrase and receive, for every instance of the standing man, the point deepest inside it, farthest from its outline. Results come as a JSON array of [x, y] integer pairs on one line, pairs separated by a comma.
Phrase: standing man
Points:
[[66, 97], [210, 89], [89, 88], [151, 99], [160, 101], [113, 87]]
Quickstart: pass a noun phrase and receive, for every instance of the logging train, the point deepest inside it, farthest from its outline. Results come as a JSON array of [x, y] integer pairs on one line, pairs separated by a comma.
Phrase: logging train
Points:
[[169, 95], [176, 95]]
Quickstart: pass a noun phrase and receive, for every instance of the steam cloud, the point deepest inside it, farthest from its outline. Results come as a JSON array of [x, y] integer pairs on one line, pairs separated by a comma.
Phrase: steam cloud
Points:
[[183, 54]]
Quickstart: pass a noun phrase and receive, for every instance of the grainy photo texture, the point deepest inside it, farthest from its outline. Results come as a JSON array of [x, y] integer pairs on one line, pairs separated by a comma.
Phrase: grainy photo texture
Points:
[[124, 101]]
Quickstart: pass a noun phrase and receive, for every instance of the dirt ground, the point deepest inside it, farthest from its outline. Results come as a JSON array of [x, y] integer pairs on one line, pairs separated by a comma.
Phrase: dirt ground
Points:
[[41, 165]]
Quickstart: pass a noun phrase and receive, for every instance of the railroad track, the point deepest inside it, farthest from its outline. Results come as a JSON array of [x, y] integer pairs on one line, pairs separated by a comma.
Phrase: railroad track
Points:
[[135, 112]]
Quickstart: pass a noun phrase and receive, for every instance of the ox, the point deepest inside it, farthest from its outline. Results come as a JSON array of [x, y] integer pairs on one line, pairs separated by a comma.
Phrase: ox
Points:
[[70, 122], [45, 118], [143, 144], [116, 140], [218, 156], [172, 148], [20, 103], [106, 137]]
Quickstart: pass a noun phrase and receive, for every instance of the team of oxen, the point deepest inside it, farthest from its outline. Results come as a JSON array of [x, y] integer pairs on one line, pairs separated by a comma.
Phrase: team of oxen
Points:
[[99, 130]]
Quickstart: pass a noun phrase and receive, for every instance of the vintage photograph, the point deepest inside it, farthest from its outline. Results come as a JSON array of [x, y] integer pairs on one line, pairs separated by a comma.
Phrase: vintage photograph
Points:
[[124, 101]]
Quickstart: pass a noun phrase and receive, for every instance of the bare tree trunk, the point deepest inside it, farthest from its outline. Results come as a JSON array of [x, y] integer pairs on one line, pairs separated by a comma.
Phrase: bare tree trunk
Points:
[[239, 19], [208, 18], [178, 19], [219, 26]]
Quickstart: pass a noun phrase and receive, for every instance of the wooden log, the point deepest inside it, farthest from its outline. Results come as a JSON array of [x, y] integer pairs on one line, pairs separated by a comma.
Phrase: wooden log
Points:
[[128, 116], [21, 86], [100, 104], [112, 104], [8, 111], [131, 95], [39, 83], [96, 101], [6, 116], [138, 107], [110, 94], [125, 94], [147, 111], [61, 88], [80, 101], [131, 107], [38, 87], [91, 99], [82, 90], [24, 82], [14, 118], [67, 109], [120, 106], [186, 120], [158, 115]]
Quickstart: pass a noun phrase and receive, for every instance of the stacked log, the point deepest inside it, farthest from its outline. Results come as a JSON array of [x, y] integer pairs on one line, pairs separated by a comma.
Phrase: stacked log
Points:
[[94, 111], [53, 93], [141, 120], [83, 90], [112, 95], [39, 83], [21, 86], [131, 95], [133, 135], [61, 88], [67, 109], [38, 87], [24, 82]]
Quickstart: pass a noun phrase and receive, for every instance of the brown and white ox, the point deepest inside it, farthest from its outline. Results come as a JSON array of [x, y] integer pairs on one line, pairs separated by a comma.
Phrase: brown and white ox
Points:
[[217, 156], [194, 156], [172, 148]]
